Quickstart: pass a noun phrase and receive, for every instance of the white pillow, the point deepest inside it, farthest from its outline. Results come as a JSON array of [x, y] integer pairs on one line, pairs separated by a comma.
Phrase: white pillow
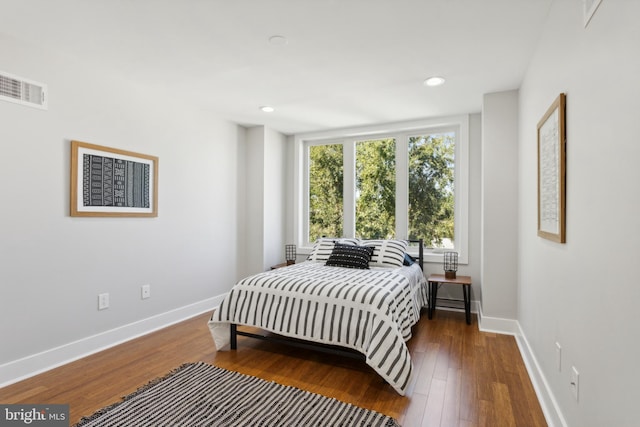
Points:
[[386, 253], [324, 246]]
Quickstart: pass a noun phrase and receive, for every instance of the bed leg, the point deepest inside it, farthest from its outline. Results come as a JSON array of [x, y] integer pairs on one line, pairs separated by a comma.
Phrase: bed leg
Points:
[[234, 337]]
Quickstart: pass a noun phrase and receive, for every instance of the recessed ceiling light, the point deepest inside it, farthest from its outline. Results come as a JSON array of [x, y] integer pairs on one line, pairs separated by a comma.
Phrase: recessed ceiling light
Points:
[[267, 109], [278, 40], [434, 81]]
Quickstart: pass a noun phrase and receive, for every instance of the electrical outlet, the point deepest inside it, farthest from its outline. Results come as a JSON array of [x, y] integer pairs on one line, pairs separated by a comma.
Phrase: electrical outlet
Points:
[[559, 356], [575, 377], [103, 301], [146, 291]]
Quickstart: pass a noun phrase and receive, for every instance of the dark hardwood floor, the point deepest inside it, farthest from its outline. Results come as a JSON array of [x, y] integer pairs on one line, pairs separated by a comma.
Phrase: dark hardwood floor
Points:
[[463, 377]]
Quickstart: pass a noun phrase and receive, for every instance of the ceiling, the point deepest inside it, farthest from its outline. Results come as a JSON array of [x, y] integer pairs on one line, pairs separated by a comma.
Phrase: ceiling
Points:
[[345, 62]]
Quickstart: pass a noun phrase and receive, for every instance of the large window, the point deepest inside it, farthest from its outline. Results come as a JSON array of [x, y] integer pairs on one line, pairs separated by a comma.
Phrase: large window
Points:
[[401, 182]]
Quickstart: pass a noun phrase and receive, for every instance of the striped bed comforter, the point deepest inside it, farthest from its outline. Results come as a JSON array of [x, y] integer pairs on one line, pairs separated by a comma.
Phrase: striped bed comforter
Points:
[[371, 311]]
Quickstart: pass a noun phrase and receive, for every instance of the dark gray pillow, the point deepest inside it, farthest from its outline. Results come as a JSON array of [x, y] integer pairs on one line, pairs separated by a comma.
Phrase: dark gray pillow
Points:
[[350, 256], [408, 259]]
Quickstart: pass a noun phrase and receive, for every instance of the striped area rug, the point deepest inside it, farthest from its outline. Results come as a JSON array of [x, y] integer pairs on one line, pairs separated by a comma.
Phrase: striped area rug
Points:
[[198, 394]]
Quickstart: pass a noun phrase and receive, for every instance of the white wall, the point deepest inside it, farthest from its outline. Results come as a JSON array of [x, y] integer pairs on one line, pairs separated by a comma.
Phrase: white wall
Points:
[[254, 193], [473, 267], [53, 266], [585, 293], [499, 204], [265, 189], [275, 197]]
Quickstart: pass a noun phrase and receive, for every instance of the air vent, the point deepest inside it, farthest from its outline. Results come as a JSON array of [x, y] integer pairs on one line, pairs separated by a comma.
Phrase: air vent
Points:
[[22, 91]]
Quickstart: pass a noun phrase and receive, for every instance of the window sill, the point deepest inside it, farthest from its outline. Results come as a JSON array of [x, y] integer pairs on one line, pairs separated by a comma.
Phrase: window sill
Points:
[[432, 257]]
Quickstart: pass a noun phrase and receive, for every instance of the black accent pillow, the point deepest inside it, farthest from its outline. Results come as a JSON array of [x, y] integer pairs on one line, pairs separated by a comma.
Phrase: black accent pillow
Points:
[[350, 256], [408, 259]]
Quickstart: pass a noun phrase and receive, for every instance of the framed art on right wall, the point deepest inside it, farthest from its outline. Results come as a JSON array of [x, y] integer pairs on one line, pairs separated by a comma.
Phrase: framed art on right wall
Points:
[[552, 172], [590, 7]]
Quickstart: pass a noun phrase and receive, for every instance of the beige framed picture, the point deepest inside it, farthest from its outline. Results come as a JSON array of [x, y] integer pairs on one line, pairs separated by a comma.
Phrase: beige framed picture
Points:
[[109, 182], [552, 172]]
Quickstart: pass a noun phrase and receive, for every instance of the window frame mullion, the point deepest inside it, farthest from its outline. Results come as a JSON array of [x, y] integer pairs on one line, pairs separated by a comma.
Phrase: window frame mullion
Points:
[[349, 188], [402, 185]]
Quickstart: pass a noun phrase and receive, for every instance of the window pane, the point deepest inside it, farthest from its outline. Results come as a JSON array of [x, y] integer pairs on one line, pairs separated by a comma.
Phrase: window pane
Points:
[[431, 192], [325, 191], [376, 189]]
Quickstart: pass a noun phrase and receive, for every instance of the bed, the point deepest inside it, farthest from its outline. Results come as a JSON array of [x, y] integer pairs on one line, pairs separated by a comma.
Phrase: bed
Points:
[[350, 296]]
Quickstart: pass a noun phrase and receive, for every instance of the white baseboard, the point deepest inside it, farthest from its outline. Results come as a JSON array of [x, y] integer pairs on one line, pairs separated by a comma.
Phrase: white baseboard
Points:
[[29, 366], [547, 400], [496, 324], [548, 403]]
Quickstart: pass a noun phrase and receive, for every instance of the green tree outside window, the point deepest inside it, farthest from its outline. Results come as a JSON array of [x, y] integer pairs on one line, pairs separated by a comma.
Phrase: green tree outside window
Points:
[[431, 195]]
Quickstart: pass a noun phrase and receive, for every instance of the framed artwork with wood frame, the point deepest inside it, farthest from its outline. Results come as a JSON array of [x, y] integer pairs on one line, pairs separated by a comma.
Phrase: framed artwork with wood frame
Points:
[[111, 182], [552, 172]]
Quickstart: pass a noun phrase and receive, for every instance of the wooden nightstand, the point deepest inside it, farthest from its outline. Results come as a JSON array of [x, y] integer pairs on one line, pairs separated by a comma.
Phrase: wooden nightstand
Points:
[[436, 280], [281, 265]]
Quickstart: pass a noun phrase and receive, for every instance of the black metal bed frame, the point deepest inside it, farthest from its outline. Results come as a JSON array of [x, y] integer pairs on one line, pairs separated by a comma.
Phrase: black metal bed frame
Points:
[[308, 345]]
